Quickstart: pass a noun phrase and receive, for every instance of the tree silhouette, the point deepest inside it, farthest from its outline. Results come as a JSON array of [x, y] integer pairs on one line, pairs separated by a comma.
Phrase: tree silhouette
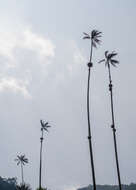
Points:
[[23, 187], [94, 38], [44, 127], [109, 60], [21, 160]]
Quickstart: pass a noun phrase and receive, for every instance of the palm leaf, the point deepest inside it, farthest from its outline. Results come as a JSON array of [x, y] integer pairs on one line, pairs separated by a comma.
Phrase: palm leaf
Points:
[[108, 59], [48, 126], [86, 37], [115, 61], [95, 35], [94, 44], [45, 129], [85, 34], [46, 123], [111, 55], [101, 61], [106, 54], [21, 159]]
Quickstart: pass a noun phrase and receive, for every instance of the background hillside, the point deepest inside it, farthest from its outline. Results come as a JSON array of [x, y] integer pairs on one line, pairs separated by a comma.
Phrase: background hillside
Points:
[[132, 186], [10, 184]]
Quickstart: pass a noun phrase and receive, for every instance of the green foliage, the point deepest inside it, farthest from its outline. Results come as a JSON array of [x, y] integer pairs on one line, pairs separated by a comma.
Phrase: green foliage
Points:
[[8, 184], [41, 188], [23, 187]]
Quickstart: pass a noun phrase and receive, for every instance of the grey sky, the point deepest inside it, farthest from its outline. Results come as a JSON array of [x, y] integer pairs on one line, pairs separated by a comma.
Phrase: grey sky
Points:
[[43, 75]]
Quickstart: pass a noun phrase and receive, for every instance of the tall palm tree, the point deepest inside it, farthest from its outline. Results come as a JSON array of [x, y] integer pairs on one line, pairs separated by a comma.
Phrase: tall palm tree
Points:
[[44, 127], [94, 38], [109, 60], [21, 160]]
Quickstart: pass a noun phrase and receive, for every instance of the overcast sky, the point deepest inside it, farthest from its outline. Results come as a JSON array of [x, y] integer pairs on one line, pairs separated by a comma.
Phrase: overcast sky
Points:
[[43, 75]]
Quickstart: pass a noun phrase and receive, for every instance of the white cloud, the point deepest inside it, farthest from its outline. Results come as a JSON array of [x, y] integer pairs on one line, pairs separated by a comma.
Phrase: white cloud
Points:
[[15, 86], [39, 44], [13, 57], [25, 39], [8, 43], [78, 59]]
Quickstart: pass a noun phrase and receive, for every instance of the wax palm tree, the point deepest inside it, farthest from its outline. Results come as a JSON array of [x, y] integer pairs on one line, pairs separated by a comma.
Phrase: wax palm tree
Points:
[[109, 60], [21, 160], [44, 127], [94, 38], [23, 187]]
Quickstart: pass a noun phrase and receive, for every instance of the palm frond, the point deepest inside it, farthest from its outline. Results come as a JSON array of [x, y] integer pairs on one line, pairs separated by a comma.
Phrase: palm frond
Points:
[[113, 64], [111, 55], [106, 54], [108, 59], [25, 160], [94, 44], [114, 61], [95, 35], [44, 125], [44, 128], [86, 36], [21, 159], [103, 60]]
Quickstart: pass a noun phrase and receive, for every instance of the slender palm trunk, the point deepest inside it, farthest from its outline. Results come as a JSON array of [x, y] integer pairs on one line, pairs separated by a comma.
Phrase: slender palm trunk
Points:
[[114, 129], [88, 117], [40, 169], [22, 173]]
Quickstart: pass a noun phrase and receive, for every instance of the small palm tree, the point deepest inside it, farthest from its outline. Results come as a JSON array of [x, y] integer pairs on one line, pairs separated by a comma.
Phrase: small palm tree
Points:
[[94, 38], [41, 188], [109, 60], [44, 127], [21, 160], [23, 187]]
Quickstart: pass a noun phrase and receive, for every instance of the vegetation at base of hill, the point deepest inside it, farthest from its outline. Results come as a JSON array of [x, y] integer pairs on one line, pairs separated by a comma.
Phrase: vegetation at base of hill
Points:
[[23, 187], [41, 188], [11, 184], [8, 184], [132, 186]]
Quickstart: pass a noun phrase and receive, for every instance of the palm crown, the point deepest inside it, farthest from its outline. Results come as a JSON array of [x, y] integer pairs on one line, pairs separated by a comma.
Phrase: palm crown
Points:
[[44, 125], [95, 35], [109, 59], [21, 159]]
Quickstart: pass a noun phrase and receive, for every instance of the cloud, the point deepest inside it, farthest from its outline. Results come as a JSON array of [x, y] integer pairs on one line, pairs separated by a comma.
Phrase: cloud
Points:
[[78, 59], [16, 86], [39, 44], [8, 43], [22, 55], [25, 39]]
